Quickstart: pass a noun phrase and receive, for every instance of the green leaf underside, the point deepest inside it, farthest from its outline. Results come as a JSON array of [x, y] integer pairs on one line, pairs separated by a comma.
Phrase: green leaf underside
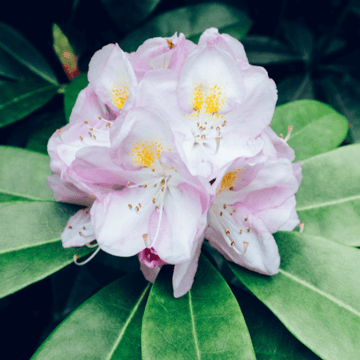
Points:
[[107, 326], [315, 294], [19, 99], [328, 200], [24, 174], [206, 323], [25, 53], [191, 21], [317, 127], [270, 338], [23, 267], [266, 50], [72, 91]]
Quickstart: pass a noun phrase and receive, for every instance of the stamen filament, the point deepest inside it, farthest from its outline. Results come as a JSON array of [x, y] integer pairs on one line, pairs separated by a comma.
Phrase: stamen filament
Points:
[[87, 260]]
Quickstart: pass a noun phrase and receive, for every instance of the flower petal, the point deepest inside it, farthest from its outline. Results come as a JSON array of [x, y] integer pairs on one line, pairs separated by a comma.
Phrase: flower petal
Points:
[[78, 230], [113, 78], [119, 230], [184, 274], [150, 274]]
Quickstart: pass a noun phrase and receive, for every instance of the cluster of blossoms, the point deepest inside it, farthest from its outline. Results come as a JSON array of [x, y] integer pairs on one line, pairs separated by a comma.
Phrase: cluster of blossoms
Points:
[[170, 145]]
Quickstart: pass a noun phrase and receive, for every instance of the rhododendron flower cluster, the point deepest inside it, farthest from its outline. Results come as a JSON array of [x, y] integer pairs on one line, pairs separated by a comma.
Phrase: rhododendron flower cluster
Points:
[[171, 145]]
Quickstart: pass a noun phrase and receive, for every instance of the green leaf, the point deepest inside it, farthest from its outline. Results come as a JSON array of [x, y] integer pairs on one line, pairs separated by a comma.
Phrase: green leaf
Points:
[[24, 174], [23, 52], [128, 14], [206, 323], [18, 100], [295, 87], [30, 245], [192, 21], [266, 50], [72, 91], [343, 94], [107, 326], [315, 294], [328, 200], [270, 338], [317, 127], [38, 140]]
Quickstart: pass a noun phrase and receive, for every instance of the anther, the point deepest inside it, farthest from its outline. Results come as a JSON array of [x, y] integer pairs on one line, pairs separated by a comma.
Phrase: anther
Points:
[[84, 227], [145, 236], [234, 210], [90, 134], [139, 205], [269, 124], [232, 243], [86, 211], [281, 136], [301, 227], [69, 226], [156, 207], [108, 124], [245, 219], [217, 139], [93, 196], [130, 206], [170, 44], [145, 186], [155, 185], [240, 231], [128, 183], [231, 213], [91, 128], [89, 245], [221, 213], [227, 231], [153, 200], [80, 233], [202, 137], [81, 138], [99, 117], [289, 132], [224, 206], [85, 121], [58, 131], [231, 188], [94, 137], [246, 244], [218, 128], [137, 208], [248, 229]]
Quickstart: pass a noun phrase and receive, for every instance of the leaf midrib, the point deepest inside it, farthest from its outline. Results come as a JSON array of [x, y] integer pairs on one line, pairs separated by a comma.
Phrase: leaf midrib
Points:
[[132, 313], [313, 288], [25, 247], [26, 197], [329, 203], [193, 327], [24, 96]]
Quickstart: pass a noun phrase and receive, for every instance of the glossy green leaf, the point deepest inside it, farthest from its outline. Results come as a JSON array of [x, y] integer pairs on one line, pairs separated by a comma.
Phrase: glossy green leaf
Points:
[[38, 139], [130, 13], [24, 174], [344, 94], [206, 323], [30, 245], [23, 52], [107, 326], [72, 91], [315, 294], [295, 87], [270, 338], [266, 50], [317, 127], [191, 21], [328, 200], [19, 99]]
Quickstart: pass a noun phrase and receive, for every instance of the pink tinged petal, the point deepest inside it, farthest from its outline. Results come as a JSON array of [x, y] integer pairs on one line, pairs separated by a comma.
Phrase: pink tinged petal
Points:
[[225, 42], [141, 139], [183, 221], [150, 274], [283, 217], [257, 108], [276, 147], [113, 78], [184, 274], [118, 225], [209, 72], [297, 171], [78, 231], [88, 106], [261, 253], [150, 258], [67, 192]]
